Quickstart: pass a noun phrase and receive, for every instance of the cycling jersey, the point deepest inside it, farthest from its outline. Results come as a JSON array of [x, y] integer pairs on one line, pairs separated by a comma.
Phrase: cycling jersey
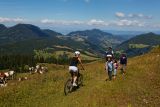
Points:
[[74, 61]]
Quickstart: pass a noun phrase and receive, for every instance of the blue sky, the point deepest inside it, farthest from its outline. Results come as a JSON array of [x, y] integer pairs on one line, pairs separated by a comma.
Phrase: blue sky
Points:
[[67, 15]]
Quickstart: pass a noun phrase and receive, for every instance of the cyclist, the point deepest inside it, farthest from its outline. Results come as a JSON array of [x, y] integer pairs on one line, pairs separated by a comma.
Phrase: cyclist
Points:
[[73, 69]]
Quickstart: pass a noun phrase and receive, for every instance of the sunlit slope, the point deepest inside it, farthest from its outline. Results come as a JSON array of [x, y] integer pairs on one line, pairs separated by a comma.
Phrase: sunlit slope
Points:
[[138, 88]]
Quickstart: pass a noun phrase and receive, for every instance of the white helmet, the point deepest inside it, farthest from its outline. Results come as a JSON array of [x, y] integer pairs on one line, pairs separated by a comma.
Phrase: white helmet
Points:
[[77, 53]]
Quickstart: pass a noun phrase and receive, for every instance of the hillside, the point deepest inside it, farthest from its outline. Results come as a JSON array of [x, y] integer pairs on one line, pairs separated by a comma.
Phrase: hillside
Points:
[[20, 32], [140, 44], [138, 88], [25, 38], [97, 37]]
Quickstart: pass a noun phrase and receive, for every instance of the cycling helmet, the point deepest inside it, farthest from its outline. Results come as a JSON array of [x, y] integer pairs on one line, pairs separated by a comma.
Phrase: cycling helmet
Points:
[[109, 55], [77, 53]]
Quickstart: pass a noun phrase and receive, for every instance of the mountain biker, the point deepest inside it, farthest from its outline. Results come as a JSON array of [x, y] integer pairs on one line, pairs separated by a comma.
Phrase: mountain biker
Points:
[[123, 63], [73, 69]]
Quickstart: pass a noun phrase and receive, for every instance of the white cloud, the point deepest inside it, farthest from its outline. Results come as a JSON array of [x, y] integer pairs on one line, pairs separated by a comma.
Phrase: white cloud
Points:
[[140, 16], [97, 22], [129, 23], [133, 16], [132, 23], [92, 22], [8, 20], [61, 22], [154, 25], [120, 14]]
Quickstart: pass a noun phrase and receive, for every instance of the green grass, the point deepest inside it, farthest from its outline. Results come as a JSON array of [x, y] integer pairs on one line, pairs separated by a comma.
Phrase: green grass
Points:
[[138, 46], [70, 54], [138, 88]]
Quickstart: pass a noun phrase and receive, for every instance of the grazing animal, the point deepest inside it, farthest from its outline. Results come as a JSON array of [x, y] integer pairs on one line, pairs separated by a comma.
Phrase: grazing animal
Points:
[[6, 74], [22, 78], [40, 69], [44, 69], [31, 70], [9, 74], [3, 79]]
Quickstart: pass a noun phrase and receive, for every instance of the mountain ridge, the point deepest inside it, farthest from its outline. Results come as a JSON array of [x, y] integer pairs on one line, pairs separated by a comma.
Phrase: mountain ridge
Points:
[[140, 44], [23, 33]]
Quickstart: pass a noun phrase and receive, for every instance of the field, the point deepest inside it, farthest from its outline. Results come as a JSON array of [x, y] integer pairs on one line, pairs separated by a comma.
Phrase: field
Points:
[[138, 46], [89, 56], [139, 87]]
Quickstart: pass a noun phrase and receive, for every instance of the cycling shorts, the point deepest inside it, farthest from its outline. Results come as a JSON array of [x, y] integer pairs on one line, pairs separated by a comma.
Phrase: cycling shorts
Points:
[[73, 69]]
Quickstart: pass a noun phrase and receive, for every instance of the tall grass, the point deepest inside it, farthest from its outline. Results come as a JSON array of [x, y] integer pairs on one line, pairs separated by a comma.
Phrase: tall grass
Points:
[[139, 87]]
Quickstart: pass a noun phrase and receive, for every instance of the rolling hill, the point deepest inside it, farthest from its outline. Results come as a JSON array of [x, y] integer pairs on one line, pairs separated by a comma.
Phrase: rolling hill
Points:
[[25, 38], [20, 32], [97, 37], [140, 44], [138, 88]]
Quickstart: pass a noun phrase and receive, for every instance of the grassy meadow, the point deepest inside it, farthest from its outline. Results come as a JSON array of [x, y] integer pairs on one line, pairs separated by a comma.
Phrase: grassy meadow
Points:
[[89, 55], [139, 87]]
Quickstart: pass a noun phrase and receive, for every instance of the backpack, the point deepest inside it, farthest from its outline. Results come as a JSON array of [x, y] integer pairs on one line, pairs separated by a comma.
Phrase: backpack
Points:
[[123, 60]]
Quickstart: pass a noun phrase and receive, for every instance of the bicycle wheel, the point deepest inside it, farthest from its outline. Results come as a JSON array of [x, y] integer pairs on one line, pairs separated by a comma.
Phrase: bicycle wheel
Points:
[[80, 80], [68, 86]]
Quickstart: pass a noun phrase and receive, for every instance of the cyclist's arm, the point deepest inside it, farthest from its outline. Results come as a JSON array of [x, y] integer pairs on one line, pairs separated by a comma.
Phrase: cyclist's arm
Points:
[[81, 63]]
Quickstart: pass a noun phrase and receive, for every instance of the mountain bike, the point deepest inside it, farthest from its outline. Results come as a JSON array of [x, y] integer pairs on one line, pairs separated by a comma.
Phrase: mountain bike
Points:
[[68, 86]]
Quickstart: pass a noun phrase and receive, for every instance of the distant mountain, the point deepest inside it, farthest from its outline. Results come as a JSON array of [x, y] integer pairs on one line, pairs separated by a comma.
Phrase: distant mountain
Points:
[[97, 37], [140, 43], [24, 38], [118, 32], [126, 35], [2, 27], [51, 32], [21, 32]]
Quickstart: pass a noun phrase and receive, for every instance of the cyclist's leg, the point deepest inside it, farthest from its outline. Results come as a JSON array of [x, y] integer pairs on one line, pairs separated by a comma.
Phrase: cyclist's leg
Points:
[[75, 75], [71, 72]]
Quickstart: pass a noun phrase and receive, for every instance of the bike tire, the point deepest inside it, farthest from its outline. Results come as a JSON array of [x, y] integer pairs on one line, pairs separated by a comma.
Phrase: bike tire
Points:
[[80, 80], [68, 87]]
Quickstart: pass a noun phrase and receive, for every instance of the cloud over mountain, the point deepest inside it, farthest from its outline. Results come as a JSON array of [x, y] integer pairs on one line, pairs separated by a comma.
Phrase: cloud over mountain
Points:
[[132, 16], [4, 20]]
